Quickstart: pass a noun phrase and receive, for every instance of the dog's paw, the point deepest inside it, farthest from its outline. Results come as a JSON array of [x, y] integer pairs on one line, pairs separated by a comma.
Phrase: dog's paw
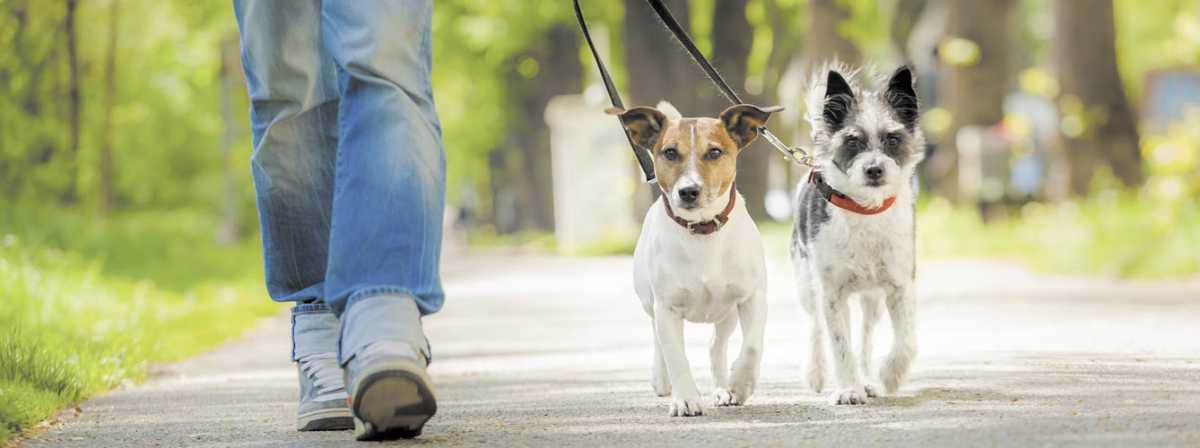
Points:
[[662, 387], [686, 406], [872, 390], [848, 396], [816, 379], [893, 373], [724, 397]]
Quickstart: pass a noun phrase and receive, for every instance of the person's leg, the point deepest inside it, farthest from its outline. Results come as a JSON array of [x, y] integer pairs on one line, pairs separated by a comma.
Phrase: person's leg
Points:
[[389, 194], [293, 98]]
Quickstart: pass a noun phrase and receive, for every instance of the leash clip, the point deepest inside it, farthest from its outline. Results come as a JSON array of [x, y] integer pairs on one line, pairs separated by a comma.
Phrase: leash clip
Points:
[[795, 155]]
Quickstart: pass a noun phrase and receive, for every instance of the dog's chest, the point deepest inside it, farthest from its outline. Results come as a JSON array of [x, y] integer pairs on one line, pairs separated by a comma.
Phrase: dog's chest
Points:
[[705, 282], [701, 297], [868, 249]]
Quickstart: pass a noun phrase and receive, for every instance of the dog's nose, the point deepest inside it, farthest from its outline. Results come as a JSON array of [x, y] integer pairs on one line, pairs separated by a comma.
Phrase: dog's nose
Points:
[[689, 194], [874, 172]]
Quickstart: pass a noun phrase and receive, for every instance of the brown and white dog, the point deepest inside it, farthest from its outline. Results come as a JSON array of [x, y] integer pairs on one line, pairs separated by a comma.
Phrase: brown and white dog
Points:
[[700, 256]]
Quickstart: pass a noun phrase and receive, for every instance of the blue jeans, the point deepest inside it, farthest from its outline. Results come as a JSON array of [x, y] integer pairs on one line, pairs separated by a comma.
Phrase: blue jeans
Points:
[[348, 163]]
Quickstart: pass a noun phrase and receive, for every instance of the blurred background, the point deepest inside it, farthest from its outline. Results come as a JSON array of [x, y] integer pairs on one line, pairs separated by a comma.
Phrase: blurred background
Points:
[[1064, 135]]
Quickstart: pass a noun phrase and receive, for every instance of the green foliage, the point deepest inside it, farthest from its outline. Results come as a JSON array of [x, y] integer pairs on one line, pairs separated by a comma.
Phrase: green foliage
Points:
[[868, 26], [166, 120], [475, 42], [1155, 35], [89, 303], [1110, 233]]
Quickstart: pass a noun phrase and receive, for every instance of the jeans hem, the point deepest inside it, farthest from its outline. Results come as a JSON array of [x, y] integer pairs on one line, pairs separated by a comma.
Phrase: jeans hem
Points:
[[376, 291], [311, 308]]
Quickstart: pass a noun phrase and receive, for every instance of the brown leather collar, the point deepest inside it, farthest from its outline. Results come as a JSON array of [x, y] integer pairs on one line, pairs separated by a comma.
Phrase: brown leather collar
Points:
[[705, 227], [842, 201]]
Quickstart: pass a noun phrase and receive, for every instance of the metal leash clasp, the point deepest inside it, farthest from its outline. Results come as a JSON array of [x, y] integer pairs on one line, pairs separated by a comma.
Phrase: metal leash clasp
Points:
[[795, 155]]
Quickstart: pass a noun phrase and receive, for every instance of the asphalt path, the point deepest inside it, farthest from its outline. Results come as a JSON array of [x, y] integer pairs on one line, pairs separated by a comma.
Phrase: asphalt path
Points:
[[551, 351]]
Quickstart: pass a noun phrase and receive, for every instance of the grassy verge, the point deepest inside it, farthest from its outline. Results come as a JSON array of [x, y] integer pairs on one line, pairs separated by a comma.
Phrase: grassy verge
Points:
[[89, 304], [1112, 234]]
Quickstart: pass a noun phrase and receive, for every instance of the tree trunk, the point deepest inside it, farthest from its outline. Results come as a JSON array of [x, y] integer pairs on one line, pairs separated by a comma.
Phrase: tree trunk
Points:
[[230, 230], [825, 39], [549, 69], [1086, 62], [659, 69], [974, 90], [904, 19], [108, 197], [70, 195]]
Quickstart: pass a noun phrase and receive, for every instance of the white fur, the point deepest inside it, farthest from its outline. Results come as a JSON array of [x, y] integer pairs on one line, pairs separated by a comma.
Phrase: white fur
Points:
[[718, 278], [868, 258]]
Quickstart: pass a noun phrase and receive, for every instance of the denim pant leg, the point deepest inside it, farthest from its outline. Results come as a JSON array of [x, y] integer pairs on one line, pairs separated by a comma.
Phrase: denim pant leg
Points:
[[294, 109], [389, 191]]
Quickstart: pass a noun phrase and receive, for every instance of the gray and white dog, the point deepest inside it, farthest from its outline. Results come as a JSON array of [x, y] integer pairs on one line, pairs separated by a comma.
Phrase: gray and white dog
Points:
[[854, 232]]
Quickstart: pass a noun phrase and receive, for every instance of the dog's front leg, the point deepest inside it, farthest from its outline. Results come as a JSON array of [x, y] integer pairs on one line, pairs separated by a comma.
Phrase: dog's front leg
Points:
[[718, 354], [659, 379], [753, 316], [668, 329], [872, 304], [902, 307], [837, 319]]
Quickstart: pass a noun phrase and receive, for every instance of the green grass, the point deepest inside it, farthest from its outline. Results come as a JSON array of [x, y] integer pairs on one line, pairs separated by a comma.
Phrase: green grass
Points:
[[88, 304], [1108, 233]]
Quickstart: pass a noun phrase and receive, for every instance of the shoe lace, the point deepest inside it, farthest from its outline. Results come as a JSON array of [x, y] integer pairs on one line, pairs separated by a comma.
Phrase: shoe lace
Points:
[[323, 370]]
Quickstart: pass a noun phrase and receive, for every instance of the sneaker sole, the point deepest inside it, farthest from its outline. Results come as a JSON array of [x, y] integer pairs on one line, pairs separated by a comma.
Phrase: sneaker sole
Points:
[[392, 401], [325, 420]]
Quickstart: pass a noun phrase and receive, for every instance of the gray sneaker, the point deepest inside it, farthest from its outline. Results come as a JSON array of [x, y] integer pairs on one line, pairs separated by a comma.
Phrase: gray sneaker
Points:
[[391, 394], [322, 390]]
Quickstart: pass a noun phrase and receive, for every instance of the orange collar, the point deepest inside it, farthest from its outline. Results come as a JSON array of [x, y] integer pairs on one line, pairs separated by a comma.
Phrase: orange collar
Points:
[[704, 227], [842, 201]]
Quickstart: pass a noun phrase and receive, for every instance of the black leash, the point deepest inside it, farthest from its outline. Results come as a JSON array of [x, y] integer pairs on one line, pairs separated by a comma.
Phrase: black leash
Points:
[[643, 157], [794, 154], [681, 35]]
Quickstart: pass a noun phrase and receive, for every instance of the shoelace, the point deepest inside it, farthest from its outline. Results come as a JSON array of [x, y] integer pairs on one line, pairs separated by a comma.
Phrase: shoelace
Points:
[[324, 372]]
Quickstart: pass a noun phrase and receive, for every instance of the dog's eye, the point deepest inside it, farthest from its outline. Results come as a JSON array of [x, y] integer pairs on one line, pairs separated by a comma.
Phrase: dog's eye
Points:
[[853, 142], [713, 154], [892, 140], [670, 154]]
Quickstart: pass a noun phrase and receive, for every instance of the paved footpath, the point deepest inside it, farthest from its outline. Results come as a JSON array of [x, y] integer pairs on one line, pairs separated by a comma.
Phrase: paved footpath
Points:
[[547, 351]]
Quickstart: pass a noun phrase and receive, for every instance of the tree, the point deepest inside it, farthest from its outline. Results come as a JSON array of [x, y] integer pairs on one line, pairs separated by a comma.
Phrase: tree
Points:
[[976, 80], [550, 67], [230, 74], [658, 68], [1099, 128], [108, 197], [904, 19], [827, 40], [75, 103]]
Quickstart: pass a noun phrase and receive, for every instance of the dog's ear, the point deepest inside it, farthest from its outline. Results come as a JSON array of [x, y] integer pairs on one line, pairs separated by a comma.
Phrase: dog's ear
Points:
[[901, 95], [839, 100], [644, 124], [743, 120]]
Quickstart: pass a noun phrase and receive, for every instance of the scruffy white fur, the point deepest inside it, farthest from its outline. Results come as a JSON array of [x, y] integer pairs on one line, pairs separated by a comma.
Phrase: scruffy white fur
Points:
[[840, 256]]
